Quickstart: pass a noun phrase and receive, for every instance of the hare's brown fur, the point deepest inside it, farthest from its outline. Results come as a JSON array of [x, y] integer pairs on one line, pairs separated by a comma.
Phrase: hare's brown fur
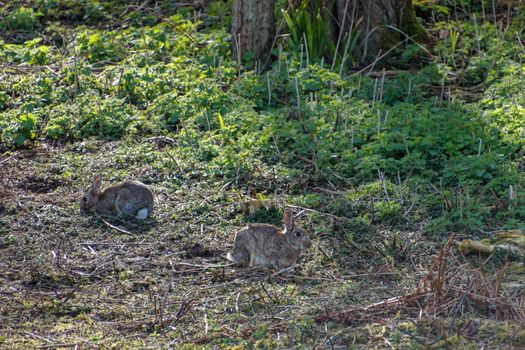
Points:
[[266, 245], [130, 198]]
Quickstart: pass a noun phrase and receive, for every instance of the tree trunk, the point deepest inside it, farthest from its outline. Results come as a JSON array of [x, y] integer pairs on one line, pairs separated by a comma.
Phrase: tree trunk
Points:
[[376, 20], [253, 30]]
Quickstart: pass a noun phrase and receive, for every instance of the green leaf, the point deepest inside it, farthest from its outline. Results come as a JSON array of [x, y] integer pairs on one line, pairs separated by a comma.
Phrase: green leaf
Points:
[[221, 121]]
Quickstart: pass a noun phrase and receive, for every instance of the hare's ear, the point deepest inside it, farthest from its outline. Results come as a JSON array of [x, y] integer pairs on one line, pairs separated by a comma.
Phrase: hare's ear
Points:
[[97, 183], [289, 224]]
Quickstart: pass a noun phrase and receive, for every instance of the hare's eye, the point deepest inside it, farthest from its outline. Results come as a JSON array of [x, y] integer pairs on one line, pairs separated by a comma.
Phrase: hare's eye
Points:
[[84, 199], [298, 234]]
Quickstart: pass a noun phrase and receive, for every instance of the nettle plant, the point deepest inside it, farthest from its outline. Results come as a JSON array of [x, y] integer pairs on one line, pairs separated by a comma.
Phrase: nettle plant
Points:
[[21, 18], [31, 52], [101, 46], [18, 129]]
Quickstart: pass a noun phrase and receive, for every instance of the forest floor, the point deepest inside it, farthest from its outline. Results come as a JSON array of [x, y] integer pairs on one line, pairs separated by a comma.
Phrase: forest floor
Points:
[[72, 280]]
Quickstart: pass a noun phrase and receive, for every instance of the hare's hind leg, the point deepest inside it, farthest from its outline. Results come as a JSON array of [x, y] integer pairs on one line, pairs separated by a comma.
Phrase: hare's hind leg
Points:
[[127, 206], [259, 260], [239, 255], [124, 204]]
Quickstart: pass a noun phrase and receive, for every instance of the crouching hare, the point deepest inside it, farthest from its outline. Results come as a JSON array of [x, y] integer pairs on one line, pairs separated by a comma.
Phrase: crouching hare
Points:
[[130, 198], [266, 245]]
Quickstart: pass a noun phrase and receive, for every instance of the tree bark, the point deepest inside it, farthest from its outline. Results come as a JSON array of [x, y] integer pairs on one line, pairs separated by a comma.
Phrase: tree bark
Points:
[[375, 19], [253, 29]]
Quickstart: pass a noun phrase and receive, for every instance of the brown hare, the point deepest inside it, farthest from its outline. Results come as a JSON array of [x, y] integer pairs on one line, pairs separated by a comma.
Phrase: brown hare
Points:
[[266, 245], [130, 198]]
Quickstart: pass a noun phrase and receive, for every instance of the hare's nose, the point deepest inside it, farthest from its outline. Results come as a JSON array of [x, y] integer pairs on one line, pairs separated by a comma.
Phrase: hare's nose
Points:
[[308, 244]]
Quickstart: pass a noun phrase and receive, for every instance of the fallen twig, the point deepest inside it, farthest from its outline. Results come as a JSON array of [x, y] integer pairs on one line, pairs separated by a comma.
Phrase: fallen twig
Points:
[[115, 227], [283, 271], [361, 312], [8, 158], [55, 346], [341, 218], [34, 335], [161, 138], [113, 244]]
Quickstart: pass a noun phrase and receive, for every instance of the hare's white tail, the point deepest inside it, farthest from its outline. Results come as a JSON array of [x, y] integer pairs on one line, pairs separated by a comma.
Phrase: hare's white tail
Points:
[[230, 257], [142, 214]]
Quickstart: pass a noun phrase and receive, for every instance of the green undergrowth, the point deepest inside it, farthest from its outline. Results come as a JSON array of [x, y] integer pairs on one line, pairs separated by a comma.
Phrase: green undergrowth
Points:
[[168, 77]]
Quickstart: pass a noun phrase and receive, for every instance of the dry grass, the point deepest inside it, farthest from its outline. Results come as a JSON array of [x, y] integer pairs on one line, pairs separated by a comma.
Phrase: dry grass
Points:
[[71, 281]]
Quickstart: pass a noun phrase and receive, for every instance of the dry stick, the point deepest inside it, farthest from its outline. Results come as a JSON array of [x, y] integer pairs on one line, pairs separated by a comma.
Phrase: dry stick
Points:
[[390, 50], [279, 62], [237, 39], [375, 92], [383, 183], [267, 294], [287, 66], [499, 41], [306, 51], [175, 161], [118, 85], [161, 138], [269, 89], [378, 120], [479, 146], [367, 28], [494, 14], [184, 307], [279, 28], [320, 213], [508, 16], [521, 68], [52, 71], [276, 293], [187, 35], [77, 83], [54, 346], [205, 266], [115, 244], [442, 96], [382, 86], [344, 277], [352, 138], [340, 35], [205, 322], [143, 5], [115, 227], [418, 339], [276, 146], [219, 71], [522, 82], [410, 208], [409, 90], [237, 301], [297, 91], [348, 40], [37, 336], [395, 301], [478, 36], [8, 158], [283, 271]]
